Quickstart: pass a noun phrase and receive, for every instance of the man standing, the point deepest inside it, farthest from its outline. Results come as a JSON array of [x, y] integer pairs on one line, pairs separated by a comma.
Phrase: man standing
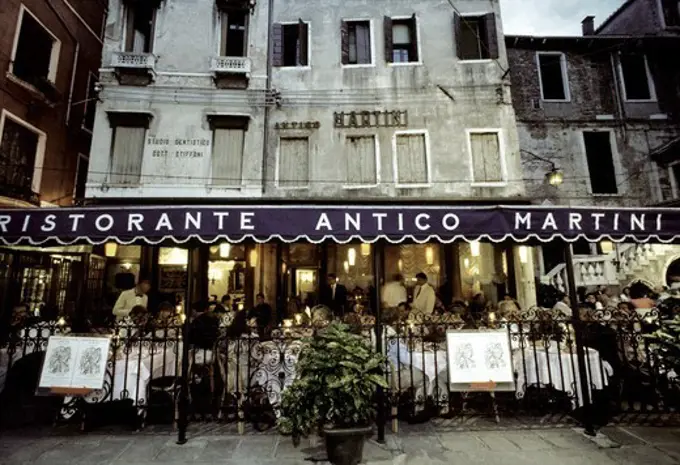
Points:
[[424, 296], [262, 314], [334, 296], [135, 297], [394, 292]]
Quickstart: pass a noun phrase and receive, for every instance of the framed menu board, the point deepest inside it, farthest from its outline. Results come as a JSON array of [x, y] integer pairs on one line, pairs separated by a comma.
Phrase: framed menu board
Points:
[[74, 365], [480, 360]]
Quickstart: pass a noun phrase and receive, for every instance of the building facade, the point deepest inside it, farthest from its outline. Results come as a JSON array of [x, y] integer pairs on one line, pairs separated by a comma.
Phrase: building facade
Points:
[[232, 101], [603, 109], [49, 55]]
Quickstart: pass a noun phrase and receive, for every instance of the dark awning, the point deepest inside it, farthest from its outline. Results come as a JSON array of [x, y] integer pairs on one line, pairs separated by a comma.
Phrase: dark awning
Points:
[[316, 223]]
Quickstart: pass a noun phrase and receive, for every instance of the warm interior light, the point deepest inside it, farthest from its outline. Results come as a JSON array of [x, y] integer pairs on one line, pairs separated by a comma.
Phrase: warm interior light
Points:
[[555, 177], [225, 250], [523, 254], [253, 258], [110, 249], [352, 256], [346, 266], [429, 255], [214, 275], [607, 247], [365, 250], [474, 248], [466, 263], [127, 266], [400, 264]]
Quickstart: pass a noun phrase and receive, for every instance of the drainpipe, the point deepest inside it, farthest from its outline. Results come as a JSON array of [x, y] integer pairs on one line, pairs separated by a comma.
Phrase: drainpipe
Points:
[[268, 86], [73, 81]]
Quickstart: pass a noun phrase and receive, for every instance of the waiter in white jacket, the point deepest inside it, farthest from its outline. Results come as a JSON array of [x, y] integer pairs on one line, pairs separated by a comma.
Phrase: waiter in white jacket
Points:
[[131, 298], [424, 297]]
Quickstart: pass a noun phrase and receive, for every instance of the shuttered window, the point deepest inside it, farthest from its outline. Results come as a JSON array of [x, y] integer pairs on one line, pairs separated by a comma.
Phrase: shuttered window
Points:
[[476, 37], [293, 162], [140, 21], [227, 150], [18, 149], [356, 42], [401, 40], [411, 159], [486, 157], [361, 161], [290, 44], [127, 149]]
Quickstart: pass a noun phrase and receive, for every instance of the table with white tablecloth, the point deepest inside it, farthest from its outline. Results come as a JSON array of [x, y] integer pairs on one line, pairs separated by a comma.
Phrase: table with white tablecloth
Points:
[[558, 366]]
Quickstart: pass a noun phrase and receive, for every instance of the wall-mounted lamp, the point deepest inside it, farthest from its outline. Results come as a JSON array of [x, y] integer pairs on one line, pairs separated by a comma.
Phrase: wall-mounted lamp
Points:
[[523, 253], [474, 248], [365, 250], [110, 249], [253, 258], [352, 256], [607, 247], [554, 177], [400, 265], [429, 255], [225, 250], [346, 266]]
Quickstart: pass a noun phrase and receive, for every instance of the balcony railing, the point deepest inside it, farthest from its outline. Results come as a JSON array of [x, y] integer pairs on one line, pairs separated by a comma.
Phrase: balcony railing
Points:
[[231, 65], [132, 60]]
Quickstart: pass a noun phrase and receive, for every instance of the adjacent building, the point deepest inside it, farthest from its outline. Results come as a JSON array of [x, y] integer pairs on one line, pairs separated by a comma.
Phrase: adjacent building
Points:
[[602, 109], [50, 52]]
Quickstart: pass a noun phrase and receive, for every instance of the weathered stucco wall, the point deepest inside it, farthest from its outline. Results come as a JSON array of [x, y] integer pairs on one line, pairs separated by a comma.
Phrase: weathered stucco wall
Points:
[[441, 95]]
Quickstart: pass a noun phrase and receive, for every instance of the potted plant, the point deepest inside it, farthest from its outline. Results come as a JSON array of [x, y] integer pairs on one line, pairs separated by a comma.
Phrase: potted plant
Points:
[[334, 393]]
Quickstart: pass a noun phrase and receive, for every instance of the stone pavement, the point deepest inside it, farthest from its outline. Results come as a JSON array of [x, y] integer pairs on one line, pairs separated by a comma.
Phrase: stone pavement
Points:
[[628, 446]]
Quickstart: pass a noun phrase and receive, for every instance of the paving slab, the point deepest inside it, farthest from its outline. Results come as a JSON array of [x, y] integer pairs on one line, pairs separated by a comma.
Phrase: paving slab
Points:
[[621, 436], [218, 450], [188, 452], [142, 449], [640, 455], [528, 441], [654, 435], [461, 442], [567, 439]]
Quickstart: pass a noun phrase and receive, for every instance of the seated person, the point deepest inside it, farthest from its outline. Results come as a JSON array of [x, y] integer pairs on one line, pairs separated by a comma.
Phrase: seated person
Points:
[[204, 330], [261, 316], [403, 311], [508, 306]]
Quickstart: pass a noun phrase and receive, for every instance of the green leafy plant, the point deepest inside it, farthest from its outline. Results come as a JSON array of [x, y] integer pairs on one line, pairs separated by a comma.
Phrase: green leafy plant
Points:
[[664, 343], [337, 376]]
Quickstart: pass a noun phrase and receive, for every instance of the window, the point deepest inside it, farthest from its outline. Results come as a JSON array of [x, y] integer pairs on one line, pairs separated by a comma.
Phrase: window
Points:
[[476, 37], [401, 40], [636, 78], [291, 44], [293, 167], [90, 103], [127, 148], [671, 12], [81, 177], [233, 41], [485, 151], [362, 161], [139, 27], [552, 74], [36, 51], [600, 162], [227, 151], [411, 167], [18, 155], [356, 43]]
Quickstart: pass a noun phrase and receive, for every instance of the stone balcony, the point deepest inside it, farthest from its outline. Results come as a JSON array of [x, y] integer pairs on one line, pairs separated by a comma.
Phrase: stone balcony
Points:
[[134, 68], [231, 72]]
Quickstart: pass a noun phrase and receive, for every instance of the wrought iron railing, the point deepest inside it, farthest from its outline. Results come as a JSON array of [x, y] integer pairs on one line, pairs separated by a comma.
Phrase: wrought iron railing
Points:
[[239, 378]]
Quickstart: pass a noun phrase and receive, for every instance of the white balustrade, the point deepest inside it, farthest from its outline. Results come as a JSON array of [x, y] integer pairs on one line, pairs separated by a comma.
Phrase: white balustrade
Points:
[[133, 60], [231, 65]]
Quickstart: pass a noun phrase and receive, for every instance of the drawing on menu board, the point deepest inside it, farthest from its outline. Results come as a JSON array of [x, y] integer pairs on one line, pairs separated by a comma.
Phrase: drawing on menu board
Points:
[[90, 361], [464, 358], [494, 356], [59, 362], [75, 363]]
